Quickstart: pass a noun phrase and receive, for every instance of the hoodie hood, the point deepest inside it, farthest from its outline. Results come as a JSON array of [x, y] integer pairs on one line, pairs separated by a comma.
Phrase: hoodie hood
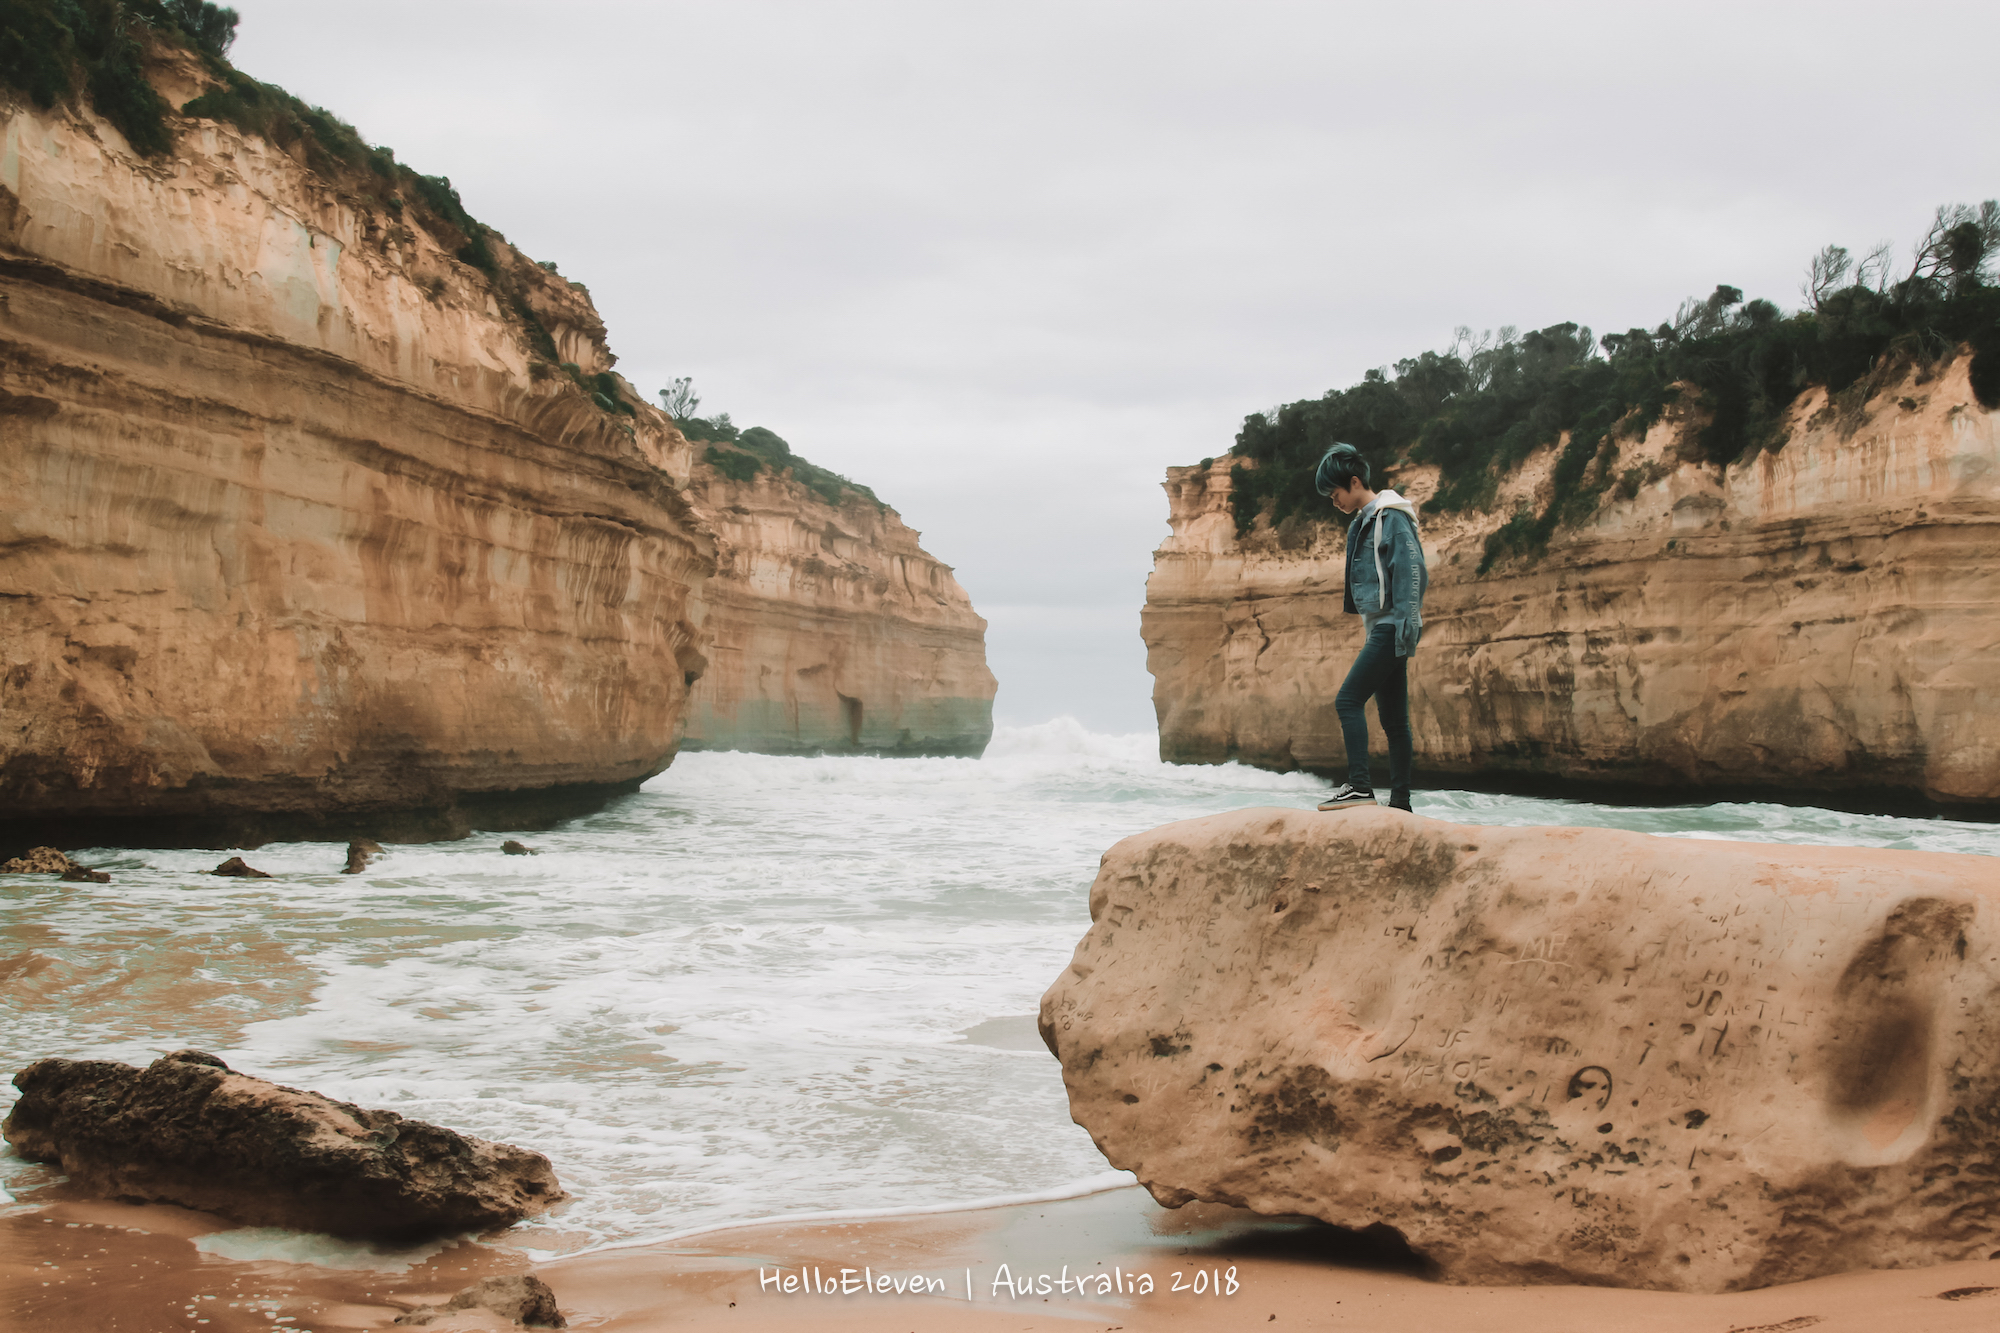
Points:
[[1388, 499], [1365, 538]]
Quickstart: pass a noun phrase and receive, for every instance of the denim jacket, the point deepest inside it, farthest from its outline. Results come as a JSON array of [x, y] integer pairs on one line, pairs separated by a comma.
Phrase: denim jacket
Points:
[[1386, 576]]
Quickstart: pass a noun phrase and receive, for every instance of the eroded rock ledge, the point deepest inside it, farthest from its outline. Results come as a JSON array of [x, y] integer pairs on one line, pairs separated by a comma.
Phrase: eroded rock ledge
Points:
[[1547, 1054]]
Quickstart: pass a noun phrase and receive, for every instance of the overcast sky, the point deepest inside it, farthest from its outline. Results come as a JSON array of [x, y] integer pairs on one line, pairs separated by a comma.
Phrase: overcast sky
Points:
[[1006, 262]]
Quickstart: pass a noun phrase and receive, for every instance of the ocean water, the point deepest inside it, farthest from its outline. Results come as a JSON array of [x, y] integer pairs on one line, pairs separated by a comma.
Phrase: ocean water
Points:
[[759, 987]]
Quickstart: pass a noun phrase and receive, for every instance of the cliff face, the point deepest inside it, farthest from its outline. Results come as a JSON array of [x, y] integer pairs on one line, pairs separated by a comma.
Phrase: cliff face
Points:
[[293, 523], [1823, 618], [828, 629]]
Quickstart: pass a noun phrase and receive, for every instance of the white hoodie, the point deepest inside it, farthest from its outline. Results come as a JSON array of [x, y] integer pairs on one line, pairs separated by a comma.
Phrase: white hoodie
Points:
[[1405, 609]]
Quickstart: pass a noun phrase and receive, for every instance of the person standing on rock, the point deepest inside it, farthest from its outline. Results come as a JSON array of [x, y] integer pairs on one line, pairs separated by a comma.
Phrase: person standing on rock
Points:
[[1386, 579]]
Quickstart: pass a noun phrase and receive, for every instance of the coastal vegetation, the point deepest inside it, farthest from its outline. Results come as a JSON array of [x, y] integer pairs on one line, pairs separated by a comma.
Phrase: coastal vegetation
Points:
[[68, 52], [71, 52], [56, 50], [1479, 408], [740, 454]]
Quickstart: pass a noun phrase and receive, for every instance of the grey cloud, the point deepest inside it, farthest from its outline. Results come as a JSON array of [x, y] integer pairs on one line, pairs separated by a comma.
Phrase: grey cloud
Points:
[[1005, 263]]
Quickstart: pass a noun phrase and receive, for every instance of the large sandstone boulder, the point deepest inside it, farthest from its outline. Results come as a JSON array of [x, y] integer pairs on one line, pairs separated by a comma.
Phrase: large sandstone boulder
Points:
[[1549, 1054], [188, 1130]]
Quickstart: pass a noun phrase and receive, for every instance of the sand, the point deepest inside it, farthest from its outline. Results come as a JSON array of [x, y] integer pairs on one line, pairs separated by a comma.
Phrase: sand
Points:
[[71, 1264]]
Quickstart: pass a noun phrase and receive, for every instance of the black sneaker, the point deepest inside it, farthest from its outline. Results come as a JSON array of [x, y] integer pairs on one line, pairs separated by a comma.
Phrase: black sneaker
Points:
[[1348, 794]]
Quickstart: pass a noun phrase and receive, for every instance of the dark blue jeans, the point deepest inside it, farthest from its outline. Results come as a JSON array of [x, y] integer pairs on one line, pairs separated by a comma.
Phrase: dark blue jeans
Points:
[[1377, 671]]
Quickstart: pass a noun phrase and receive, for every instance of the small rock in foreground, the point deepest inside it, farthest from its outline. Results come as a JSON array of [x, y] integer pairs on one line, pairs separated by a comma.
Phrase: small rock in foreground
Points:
[[524, 1298], [513, 848], [189, 1130], [77, 874], [359, 853], [236, 868], [40, 861]]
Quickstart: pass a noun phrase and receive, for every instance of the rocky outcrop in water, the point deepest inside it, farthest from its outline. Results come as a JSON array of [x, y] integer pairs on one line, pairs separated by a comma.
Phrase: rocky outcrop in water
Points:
[[38, 861], [830, 630], [188, 1130], [303, 526], [1546, 1054], [1818, 619]]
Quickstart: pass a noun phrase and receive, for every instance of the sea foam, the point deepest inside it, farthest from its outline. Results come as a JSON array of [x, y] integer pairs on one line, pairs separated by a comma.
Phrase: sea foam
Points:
[[747, 991]]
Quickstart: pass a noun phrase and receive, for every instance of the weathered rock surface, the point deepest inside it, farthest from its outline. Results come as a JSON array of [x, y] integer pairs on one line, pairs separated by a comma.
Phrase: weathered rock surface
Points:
[[1824, 618], [39, 861], [295, 524], [188, 1130], [831, 630], [1546, 1054], [523, 1299], [237, 868]]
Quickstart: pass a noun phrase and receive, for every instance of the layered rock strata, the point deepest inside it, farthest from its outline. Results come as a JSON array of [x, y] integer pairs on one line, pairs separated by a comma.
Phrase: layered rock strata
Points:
[[298, 531], [1545, 1054], [1823, 618], [189, 1130], [830, 630]]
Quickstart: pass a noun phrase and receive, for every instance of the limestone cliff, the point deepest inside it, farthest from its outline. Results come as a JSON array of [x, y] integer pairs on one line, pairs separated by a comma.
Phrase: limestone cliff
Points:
[[1819, 618], [829, 629], [300, 519]]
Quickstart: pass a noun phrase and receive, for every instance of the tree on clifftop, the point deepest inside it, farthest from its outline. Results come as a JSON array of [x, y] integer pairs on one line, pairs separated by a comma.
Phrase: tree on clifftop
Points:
[[212, 27], [679, 400], [1478, 409]]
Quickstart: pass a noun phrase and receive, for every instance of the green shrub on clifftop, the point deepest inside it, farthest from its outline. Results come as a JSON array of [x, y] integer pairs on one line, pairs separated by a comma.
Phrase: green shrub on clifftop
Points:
[[211, 27], [52, 49], [608, 395], [1478, 409], [64, 51], [731, 464], [753, 449], [56, 51], [37, 53], [275, 115]]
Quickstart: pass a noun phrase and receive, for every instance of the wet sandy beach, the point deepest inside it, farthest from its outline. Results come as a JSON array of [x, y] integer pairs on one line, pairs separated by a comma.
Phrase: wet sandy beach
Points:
[[79, 1266]]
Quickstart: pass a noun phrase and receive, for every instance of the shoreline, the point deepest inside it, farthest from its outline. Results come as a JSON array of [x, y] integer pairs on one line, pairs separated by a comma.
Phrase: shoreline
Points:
[[546, 811], [74, 1265]]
